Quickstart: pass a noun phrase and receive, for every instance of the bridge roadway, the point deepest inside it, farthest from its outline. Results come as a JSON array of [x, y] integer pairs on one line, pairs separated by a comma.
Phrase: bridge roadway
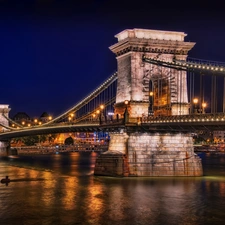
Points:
[[55, 128], [180, 123]]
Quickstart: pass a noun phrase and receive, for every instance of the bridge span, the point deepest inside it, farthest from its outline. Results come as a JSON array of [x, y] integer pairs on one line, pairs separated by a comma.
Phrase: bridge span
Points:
[[151, 107]]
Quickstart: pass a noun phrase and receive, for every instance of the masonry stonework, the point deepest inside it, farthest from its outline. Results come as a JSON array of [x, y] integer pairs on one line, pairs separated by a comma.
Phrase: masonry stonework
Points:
[[4, 123], [134, 76], [140, 153]]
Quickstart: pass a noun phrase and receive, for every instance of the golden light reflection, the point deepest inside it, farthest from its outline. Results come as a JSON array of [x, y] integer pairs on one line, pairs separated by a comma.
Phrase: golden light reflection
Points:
[[70, 189], [49, 186], [94, 201]]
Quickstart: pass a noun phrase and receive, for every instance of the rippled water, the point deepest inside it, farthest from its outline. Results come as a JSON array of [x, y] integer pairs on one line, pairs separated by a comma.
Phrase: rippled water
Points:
[[61, 189]]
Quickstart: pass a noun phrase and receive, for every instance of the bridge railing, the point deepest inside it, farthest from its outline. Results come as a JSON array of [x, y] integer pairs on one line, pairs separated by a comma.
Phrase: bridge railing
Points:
[[207, 117]]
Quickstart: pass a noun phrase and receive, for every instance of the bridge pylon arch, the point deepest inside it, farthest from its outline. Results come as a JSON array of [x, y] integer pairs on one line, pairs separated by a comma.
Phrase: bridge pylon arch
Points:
[[169, 85]]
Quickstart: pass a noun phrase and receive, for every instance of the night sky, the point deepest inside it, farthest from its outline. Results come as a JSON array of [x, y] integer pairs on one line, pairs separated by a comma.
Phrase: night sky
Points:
[[53, 53]]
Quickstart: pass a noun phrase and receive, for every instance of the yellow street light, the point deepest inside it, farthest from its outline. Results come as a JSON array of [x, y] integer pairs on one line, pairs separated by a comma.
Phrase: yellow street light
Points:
[[97, 111], [102, 107], [35, 120], [203, 107], [195, 101], [40, 123], [50, 118], [126, 102], [23, 123], [151, 93]]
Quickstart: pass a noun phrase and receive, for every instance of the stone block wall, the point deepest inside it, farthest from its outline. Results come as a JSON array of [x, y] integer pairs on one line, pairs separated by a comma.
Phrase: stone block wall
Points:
[[4, 148], [146, 154], [162, 155]]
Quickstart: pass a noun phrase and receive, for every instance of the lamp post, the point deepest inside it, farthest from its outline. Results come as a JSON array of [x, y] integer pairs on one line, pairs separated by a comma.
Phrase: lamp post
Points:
[[195, 101], [101, 116], [35, 122], [126, 114], [151, 103], [203, 107]]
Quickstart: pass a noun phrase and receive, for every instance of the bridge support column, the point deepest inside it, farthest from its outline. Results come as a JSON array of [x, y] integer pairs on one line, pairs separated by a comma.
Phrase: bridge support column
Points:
[[149, 154], [4, 148]]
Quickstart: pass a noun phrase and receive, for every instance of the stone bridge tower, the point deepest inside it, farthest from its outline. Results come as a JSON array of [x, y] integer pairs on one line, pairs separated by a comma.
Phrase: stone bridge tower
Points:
[[137, 79], [141, 152], [4, 114]]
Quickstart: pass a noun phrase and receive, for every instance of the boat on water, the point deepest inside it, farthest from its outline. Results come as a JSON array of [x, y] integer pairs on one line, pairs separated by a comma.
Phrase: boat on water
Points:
[[5, 180]]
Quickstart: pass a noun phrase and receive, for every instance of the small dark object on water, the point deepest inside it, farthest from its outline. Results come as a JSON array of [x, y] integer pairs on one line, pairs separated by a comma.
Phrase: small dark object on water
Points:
[[5, 180]]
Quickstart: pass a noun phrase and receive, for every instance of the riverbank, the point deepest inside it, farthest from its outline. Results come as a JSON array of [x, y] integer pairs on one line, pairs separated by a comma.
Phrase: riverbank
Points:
[[209, 148]]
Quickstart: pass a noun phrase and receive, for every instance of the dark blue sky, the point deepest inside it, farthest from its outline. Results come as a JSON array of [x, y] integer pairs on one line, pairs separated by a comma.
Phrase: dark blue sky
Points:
[[53, 53]]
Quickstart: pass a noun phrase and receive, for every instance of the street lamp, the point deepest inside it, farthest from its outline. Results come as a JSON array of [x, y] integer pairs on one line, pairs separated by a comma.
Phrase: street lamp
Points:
[[101, 115], [151, 102], [195, 101], [126, 115], [102, 107], [203, 107], [35, 121]]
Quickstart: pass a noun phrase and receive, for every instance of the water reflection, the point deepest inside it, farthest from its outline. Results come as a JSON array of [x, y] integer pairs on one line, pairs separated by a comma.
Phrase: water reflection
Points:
[[60, 189]]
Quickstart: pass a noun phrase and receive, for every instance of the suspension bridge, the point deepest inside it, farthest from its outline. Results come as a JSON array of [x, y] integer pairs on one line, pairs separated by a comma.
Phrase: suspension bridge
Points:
[[151, 106]]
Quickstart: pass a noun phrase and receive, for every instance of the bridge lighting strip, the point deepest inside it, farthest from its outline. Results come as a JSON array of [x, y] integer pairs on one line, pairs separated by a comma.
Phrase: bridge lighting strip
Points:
[[103, 86], [185, 64], [186, 120]]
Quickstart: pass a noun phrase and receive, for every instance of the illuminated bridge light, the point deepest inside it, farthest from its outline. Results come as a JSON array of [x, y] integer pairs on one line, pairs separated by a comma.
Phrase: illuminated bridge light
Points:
[[212, 119], [198, 119]]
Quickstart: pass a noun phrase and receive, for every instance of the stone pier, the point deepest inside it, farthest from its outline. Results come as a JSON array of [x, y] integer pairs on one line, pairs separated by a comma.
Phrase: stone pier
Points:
[[4, 148], [146, 154]]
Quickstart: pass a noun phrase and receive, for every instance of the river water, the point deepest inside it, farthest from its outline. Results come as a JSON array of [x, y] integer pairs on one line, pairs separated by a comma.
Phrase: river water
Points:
[[60, 189]]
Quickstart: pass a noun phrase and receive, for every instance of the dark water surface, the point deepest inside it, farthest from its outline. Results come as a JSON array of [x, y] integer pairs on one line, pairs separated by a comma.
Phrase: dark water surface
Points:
[[62, 190]]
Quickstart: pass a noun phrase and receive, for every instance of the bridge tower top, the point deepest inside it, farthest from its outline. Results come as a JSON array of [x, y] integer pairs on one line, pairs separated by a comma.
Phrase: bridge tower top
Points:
[[137, 79], [151, 34]]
